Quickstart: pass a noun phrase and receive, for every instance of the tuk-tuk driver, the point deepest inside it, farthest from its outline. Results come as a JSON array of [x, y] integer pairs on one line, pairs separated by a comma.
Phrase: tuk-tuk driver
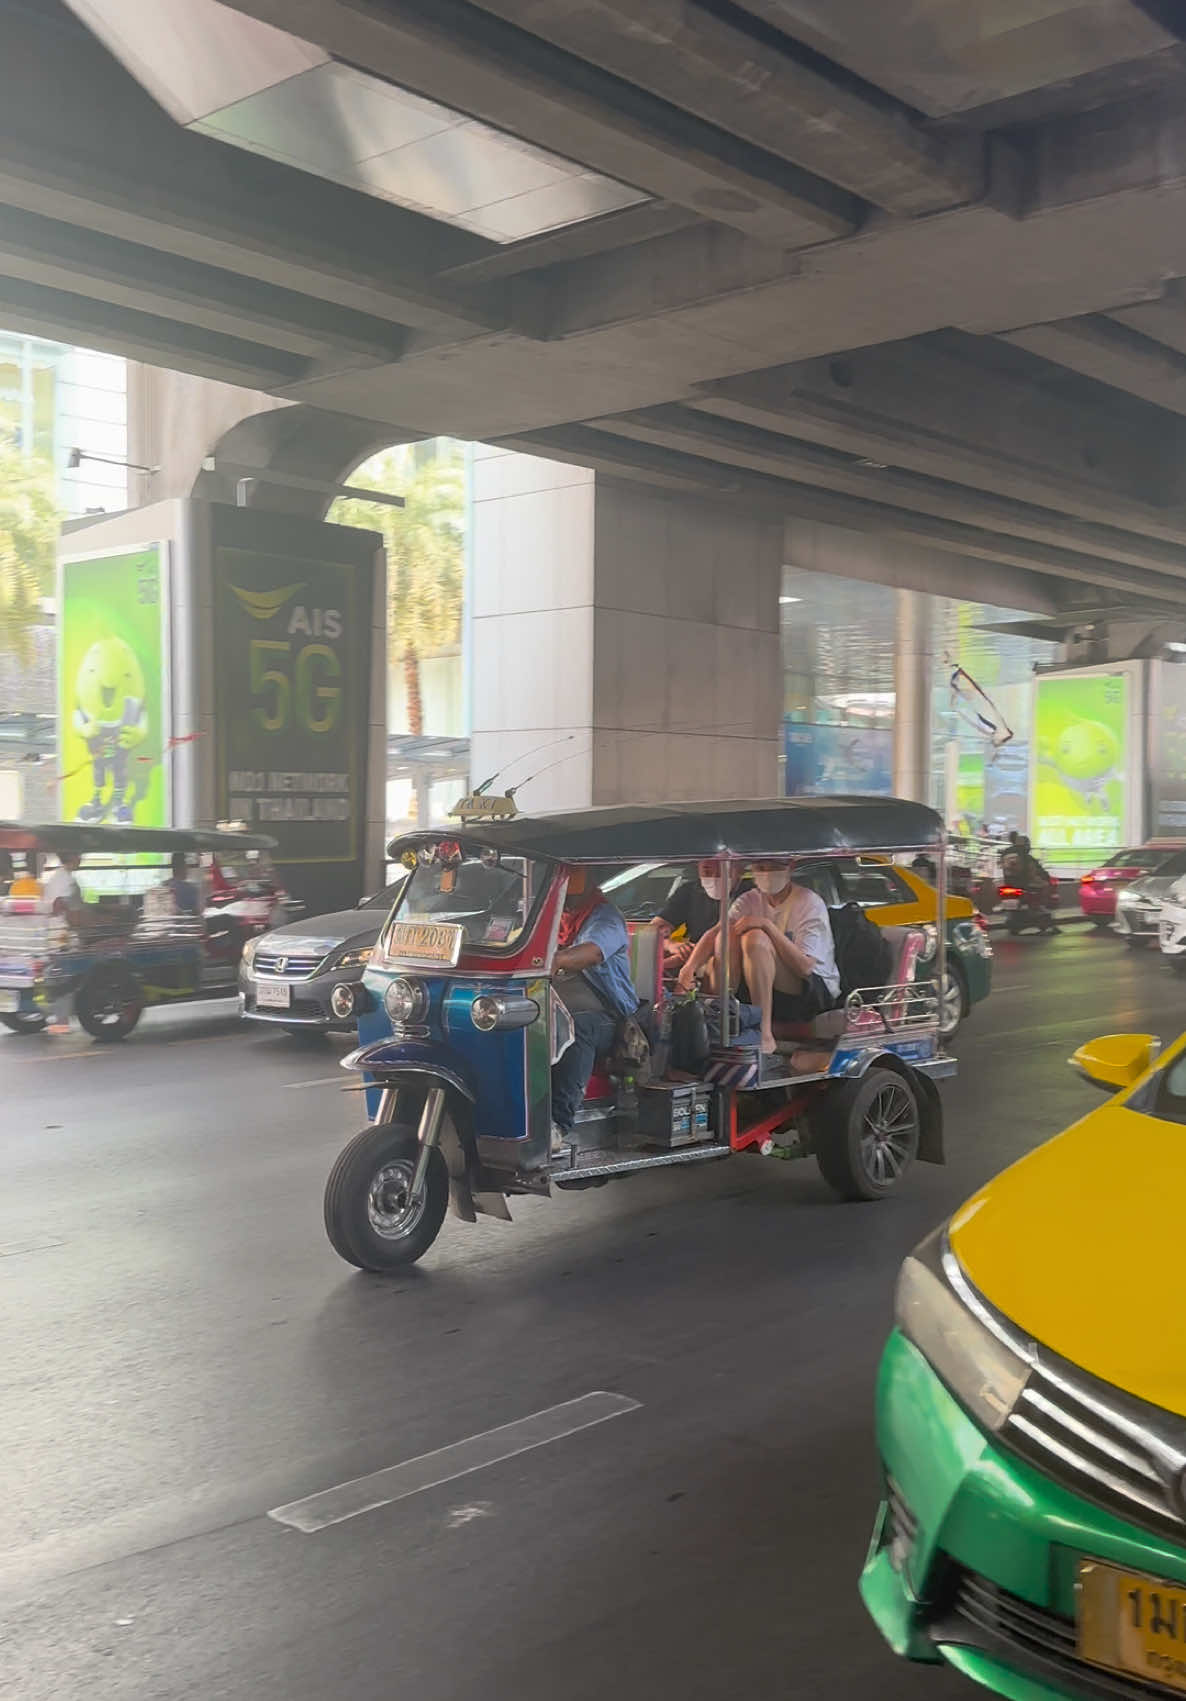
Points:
[[592, 974], [185, 893], [780, 945]]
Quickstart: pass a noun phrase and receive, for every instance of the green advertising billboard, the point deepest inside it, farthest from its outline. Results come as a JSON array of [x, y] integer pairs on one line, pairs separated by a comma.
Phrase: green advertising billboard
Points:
[[113, 687], [1079, 764], [292, 671]]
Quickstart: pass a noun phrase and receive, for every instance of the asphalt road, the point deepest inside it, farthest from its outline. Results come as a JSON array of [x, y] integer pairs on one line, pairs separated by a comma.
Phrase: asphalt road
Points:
[[181, 1352]]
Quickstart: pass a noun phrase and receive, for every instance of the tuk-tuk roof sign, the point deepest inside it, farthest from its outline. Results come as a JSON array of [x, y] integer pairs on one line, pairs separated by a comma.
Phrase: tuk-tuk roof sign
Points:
[[83, 837], [687, 832]]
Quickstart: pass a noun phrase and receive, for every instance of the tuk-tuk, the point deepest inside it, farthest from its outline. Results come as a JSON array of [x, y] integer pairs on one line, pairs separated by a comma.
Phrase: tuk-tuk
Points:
[[460, 1022], [130, 944]]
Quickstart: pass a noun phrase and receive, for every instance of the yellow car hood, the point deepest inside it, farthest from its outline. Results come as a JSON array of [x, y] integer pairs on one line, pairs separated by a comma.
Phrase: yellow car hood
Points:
[[1081, 1245]]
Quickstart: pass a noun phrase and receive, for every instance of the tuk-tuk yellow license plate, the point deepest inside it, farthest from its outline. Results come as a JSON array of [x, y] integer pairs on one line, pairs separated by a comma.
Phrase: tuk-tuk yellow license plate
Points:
[[1132, 1623]]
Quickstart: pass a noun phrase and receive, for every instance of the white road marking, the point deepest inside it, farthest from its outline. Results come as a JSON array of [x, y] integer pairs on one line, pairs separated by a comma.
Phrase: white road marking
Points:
[[397, 1482], [319, 1081]]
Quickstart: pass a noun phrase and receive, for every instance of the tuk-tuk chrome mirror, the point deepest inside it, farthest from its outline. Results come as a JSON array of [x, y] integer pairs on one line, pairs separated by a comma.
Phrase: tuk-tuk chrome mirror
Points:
[[1115, 1061]]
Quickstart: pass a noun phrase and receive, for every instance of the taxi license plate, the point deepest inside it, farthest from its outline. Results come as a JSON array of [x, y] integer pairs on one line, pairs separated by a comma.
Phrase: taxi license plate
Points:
[[9, 1001], [1133, 1624], [273, 994]]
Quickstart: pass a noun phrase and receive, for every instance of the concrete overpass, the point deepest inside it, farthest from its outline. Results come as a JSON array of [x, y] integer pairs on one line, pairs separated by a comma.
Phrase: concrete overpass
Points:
[[916, 271]]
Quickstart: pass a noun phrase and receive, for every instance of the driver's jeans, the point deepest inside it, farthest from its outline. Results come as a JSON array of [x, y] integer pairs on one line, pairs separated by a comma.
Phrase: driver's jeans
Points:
[[570, 1075]]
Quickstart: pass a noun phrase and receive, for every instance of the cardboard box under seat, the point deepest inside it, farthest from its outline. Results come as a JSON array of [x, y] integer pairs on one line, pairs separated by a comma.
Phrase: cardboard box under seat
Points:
[[675, 1113]]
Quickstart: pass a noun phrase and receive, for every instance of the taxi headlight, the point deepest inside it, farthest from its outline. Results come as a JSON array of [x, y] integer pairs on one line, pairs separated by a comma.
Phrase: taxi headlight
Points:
[[933, 1307], [406, 1000]]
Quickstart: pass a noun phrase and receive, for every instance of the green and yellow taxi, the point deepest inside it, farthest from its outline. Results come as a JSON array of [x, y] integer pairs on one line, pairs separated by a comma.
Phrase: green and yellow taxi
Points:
[[1031, 1411]]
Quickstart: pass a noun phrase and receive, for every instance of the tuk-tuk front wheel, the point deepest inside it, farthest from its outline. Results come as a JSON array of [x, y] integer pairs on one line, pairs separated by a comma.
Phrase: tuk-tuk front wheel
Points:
[[371, 1217], [109, 1005], [867, 1134]]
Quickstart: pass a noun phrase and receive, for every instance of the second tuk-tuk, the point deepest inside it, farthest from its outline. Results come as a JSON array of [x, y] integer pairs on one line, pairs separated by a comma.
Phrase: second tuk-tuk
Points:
[[460, 1022], [129, 945]]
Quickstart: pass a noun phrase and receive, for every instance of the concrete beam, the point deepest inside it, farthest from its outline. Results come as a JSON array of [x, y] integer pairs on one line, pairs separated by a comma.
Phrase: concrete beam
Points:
[[949, 409], [1112, 354], [39, 312], [611, 232], [731, 444], [686, 55], [642, 463], [477, 64], [955, 55], [126, 274]]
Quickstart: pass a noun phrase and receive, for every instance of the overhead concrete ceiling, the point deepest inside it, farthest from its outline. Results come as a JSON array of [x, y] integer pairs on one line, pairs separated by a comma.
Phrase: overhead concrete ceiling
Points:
[[908, 269]]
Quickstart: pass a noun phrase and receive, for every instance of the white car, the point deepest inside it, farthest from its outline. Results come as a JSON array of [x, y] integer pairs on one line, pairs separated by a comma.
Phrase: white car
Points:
[[1138, 906], [1173, 925]]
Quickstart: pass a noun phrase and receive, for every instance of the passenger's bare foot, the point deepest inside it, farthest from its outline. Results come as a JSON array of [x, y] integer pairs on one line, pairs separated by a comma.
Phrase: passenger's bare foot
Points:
[[810, 1062], [769, 1044]]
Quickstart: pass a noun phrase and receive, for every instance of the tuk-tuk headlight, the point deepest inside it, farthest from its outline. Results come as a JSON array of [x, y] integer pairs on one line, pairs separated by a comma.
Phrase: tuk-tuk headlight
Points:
[[936, 1308], [341, 1002], [491, 1010], [406, 1001]]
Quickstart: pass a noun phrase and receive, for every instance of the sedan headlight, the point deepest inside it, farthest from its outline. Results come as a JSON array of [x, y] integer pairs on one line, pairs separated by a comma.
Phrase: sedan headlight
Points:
[[354, 959], [249, 950], [937, 1309]]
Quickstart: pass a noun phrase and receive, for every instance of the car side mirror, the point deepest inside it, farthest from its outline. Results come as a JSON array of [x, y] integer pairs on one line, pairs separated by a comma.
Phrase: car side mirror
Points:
[[1116, 1061]]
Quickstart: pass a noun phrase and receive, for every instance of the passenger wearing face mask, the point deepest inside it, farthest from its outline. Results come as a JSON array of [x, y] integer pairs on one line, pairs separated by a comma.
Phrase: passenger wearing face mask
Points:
[[781, 953], [695, 905]]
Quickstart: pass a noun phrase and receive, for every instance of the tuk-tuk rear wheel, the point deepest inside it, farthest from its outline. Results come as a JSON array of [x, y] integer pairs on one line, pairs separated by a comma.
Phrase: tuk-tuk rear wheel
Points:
[[109, 1005], [867, 1134], [370, 1218], [24, 1021]]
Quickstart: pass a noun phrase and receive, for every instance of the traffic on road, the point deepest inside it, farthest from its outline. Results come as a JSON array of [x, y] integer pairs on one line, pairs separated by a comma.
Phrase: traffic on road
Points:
[[204, 1406]]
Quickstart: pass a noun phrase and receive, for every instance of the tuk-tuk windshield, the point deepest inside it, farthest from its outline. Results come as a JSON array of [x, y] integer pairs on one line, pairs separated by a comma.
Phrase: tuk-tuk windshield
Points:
[[492, 900]]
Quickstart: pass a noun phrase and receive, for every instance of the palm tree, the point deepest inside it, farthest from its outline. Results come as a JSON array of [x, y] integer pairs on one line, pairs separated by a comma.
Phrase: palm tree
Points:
[[28, 542], [425, 542]]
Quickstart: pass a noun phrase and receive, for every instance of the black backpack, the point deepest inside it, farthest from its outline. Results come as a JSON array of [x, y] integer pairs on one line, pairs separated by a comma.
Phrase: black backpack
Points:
[[864, 957]]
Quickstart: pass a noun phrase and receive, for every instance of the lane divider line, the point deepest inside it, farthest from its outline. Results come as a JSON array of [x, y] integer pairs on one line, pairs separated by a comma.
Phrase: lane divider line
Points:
[[428, 1470]]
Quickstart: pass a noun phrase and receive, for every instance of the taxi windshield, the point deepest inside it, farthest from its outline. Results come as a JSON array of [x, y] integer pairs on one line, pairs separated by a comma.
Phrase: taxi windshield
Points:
[[492, 901]]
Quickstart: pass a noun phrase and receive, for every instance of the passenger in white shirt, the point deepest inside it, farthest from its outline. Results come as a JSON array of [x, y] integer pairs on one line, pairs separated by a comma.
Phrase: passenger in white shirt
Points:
[[781, 954]]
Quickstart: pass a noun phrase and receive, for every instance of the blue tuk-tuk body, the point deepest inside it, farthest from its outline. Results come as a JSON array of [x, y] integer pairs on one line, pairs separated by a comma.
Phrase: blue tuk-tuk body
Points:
[[460, 1020]]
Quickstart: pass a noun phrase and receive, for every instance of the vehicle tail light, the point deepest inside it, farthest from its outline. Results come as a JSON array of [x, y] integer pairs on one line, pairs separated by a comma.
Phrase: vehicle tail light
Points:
[[1009, 892]]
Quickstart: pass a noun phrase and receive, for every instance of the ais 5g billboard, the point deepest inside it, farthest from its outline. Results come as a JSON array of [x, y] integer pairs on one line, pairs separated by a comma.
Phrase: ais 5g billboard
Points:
[[292, 666]]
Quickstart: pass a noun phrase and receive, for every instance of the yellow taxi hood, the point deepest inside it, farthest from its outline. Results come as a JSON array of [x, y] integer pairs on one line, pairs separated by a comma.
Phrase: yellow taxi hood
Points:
[[1080, 1245]]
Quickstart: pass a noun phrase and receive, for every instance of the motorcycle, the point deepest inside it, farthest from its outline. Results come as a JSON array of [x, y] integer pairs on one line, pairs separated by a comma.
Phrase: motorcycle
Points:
[[1031, 903]]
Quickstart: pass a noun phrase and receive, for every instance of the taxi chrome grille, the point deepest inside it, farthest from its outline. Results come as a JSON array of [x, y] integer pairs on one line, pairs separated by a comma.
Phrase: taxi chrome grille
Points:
[[1030, 1638], [1101, 1444], [298, 966]]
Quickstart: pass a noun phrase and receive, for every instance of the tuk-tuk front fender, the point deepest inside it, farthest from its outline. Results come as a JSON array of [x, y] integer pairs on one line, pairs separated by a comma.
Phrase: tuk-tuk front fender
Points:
[[391, 1058]]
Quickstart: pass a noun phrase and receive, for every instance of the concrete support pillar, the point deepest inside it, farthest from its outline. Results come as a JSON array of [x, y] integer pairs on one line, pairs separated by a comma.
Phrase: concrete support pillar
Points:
[[624, 641], [913, 668]]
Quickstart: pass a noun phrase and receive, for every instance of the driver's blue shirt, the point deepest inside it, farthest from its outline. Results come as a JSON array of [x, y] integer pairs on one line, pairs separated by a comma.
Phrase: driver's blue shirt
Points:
[[606, 929]]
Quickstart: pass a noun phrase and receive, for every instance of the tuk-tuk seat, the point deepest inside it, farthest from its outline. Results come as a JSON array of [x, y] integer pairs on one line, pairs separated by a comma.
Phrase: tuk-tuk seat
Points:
[[906, 946]]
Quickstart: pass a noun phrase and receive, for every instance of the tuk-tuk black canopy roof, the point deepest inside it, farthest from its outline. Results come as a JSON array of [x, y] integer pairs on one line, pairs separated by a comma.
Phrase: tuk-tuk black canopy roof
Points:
[[83, 838], [686, 832]]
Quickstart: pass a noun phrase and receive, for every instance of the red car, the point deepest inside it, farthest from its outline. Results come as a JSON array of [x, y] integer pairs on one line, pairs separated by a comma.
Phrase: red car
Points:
[[1097, 890]]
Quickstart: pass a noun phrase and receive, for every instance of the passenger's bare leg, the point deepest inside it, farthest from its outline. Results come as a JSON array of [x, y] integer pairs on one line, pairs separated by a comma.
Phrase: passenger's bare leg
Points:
[[712, 967], [759, 962]]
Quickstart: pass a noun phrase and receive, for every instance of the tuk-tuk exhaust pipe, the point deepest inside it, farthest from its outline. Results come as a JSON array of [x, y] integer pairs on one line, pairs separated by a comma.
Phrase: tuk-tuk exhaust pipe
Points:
[[428, 1133]]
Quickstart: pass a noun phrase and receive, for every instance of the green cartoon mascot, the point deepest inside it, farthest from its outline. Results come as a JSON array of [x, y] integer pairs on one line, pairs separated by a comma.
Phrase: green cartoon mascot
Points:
[[1086, 760], [110, 717]]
